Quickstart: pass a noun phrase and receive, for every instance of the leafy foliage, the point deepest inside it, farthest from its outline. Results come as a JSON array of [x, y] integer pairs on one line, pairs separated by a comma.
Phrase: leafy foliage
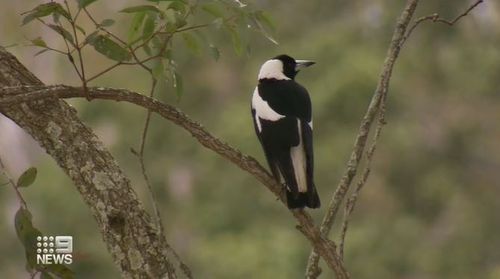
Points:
[[44, 10], [152, 29]]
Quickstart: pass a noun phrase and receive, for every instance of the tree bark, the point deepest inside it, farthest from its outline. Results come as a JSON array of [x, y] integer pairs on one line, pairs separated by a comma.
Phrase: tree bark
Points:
[[128, 231]]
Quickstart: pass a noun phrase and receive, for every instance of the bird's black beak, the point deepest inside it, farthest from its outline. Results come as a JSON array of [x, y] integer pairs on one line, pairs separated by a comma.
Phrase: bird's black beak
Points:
[[301, 64]]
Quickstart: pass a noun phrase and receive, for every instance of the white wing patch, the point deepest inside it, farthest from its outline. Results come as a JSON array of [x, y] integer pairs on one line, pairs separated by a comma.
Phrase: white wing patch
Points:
[[299, 162], [263, 110], [272, 69]]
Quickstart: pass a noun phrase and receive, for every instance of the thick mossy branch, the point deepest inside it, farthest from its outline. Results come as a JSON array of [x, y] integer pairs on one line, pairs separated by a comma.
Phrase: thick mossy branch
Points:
[[130, 235]]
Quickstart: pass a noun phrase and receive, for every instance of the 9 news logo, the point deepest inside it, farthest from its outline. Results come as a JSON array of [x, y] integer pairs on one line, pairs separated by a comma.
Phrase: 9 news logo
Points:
[[54, 250]]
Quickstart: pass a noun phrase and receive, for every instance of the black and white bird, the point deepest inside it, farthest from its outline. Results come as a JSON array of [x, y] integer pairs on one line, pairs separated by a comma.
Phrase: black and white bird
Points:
[[282, 116]]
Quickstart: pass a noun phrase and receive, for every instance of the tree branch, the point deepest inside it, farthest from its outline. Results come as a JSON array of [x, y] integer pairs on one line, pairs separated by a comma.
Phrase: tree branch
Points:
[[326, 248], [313, 270], [351, 202], [436, 18], [126, 228], [377, 106]]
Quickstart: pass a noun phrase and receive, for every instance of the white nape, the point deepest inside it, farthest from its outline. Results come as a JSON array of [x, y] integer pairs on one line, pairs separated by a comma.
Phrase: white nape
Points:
[[298, 155], [272, 69], [263, 110]]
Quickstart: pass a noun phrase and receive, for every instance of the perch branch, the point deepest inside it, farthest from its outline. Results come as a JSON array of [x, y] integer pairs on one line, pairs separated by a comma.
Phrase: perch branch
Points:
[[326, 248]]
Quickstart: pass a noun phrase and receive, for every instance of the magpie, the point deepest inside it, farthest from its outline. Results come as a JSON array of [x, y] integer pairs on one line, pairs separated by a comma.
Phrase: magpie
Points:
[[282, 117]]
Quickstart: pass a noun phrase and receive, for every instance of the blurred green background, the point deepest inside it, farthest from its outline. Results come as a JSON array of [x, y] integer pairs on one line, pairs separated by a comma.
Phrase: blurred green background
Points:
[[432, 204]]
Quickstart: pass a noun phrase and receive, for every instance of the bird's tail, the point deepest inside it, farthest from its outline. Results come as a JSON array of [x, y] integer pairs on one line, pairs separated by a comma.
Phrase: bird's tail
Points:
[[303, 199]]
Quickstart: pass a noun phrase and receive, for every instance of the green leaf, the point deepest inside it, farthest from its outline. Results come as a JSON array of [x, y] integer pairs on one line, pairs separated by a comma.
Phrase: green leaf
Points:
[[63, 32], [80, 29], [84, 3], [39, 42], [259, 19], [156, 42], [27, 178], [46, 275], [110, 48], [178, 84], [149, 26], [147, 49], [22, 224], [44, 10], [191, 43], [60, 10], [180, 22], [30, 259], [56, 17], [140, 8], [170, 27], [27, 234], [213, 9], [236, 40], [107, 22], [214, 52], [265, 19], [135, 26], [158, 69], [91, 37], [30, 245], [178, 6]]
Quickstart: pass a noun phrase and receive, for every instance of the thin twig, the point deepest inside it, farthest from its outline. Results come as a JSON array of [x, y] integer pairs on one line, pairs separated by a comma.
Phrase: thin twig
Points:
[[107, 70], [78, 50], [13, 184], [141, 161], [351, 202], [436, 18], [53, 49], [68, 49], [98, 26], [140, 155]]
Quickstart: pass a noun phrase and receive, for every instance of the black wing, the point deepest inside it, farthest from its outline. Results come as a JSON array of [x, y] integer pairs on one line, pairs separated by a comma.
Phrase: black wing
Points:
[[286, 97]]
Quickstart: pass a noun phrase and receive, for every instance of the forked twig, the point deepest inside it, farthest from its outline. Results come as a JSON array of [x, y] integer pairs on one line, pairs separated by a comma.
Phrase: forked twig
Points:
[[437, 18]]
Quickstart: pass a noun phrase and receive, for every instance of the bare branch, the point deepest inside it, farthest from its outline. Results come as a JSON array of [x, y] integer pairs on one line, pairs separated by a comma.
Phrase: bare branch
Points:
[[377, 105], [359, 145], [436, 18], [351, 202]]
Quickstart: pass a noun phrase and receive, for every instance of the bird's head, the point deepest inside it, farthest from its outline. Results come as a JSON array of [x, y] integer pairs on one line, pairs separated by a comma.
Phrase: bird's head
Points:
[[282, 67]]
